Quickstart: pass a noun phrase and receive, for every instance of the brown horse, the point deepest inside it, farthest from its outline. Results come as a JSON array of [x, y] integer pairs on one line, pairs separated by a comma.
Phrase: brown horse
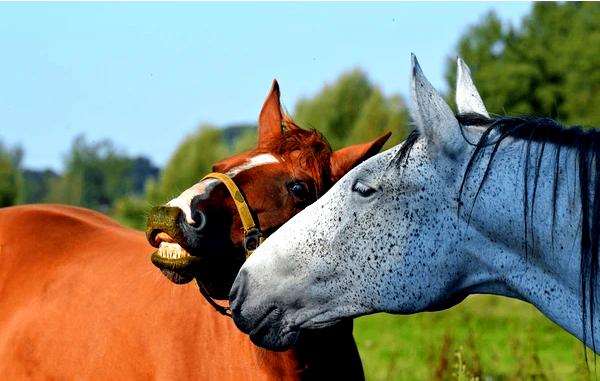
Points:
[[78, 300]]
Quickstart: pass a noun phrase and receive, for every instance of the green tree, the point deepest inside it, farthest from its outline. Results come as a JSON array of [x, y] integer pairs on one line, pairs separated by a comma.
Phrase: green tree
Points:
[[353, 110], [378, 116], [10, 176], [36, 184], [96, 175], [131, 211], [239, 138], [193, 159], [336, 108], [545, 66]]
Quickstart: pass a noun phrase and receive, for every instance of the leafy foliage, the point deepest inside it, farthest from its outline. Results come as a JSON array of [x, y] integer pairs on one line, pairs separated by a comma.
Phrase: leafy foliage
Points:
[[10, 177], [194, 158], [97, 174], [353, 110], [131, 211], [36, 184], [548, 66]]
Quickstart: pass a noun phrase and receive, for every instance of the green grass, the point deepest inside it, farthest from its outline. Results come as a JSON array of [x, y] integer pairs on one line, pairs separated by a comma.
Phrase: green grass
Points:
[[494, 338]]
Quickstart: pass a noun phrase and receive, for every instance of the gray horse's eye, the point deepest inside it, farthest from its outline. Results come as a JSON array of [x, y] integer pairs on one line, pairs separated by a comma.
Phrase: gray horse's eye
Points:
[[363, 189]]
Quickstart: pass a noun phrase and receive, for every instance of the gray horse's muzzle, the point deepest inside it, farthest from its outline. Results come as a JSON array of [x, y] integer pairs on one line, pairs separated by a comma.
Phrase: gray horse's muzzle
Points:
[[262, 321]]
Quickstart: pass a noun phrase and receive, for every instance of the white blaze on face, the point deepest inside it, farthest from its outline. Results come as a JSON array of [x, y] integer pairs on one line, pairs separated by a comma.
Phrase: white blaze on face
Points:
[[184, 200]]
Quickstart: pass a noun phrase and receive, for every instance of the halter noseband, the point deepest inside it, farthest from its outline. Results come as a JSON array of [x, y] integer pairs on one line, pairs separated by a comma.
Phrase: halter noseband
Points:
[[252, 234]]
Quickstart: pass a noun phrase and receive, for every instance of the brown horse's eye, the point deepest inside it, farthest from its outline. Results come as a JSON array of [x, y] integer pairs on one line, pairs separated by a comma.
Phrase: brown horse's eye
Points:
[[299, 190]]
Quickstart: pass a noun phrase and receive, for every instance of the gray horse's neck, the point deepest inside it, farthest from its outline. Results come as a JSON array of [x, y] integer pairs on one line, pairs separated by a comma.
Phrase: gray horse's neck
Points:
[[546, 270]]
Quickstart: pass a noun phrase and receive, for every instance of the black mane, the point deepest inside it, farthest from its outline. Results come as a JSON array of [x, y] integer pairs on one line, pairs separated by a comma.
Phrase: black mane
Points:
[[586, 144]]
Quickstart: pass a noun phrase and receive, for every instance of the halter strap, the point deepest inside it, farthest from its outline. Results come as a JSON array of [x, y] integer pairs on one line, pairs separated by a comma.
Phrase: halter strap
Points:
[[252, 234], [223, 310]]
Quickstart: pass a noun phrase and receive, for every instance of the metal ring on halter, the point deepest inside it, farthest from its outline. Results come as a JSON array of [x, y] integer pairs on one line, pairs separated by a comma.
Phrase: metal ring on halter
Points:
[[252, 239]]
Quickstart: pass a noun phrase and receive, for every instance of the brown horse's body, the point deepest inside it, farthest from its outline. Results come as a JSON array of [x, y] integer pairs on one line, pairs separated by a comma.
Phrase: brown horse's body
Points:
[[80, 300]]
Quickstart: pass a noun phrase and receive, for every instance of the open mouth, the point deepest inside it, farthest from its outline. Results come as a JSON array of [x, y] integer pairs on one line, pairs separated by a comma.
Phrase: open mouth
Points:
[[175, 262]]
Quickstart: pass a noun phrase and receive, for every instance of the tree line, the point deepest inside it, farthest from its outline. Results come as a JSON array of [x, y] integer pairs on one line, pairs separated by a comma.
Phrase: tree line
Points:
[[544, 66]]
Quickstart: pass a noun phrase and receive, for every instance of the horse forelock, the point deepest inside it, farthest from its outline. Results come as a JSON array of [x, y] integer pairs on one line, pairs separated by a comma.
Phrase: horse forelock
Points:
[[308, 150], [401, 156]]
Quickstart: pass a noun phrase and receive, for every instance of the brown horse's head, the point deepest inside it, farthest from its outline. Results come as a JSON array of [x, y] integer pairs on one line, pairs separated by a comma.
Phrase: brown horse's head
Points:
[[200, 233]]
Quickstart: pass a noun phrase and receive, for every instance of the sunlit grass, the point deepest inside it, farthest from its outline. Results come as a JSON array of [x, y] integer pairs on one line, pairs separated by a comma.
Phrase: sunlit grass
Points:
[[501, 339]]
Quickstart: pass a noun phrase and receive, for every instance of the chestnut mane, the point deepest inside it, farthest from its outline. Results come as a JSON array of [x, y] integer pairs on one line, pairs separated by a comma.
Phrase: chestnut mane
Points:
[[313, 150]]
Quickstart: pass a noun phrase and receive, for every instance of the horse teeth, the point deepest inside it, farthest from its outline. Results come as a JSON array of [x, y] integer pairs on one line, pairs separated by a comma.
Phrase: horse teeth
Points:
[[172, 251]]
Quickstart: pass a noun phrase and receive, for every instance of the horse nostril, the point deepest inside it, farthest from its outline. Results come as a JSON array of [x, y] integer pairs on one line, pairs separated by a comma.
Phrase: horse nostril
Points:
[[199, 219]]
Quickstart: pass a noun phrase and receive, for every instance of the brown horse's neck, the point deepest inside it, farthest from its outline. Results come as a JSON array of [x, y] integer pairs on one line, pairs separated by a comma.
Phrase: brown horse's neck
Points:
[[326, 354]]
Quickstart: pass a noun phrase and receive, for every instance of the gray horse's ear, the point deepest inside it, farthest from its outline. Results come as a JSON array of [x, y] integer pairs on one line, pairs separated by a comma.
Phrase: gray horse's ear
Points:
[[432, 115], [468, 99]]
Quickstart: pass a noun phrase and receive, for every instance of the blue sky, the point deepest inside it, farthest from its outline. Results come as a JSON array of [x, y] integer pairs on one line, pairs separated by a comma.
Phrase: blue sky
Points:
[[147, 74]]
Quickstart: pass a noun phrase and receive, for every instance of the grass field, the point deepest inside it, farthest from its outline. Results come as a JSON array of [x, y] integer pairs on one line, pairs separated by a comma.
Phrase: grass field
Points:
[[496, 339]]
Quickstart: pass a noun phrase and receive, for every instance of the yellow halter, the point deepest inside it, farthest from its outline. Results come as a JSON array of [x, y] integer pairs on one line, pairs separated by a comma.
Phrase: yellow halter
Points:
[[252, 234]]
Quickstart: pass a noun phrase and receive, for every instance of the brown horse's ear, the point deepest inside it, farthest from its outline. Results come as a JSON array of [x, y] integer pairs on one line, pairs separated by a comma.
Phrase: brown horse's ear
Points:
[[343, 160], [269, 121]]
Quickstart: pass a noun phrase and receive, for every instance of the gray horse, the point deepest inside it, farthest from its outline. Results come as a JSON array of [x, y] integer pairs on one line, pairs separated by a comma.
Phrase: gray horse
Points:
[[467, 204]]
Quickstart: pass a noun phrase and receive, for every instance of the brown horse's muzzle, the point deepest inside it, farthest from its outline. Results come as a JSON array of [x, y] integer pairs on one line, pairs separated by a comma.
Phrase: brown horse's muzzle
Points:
[[203, 251], [163, 232]]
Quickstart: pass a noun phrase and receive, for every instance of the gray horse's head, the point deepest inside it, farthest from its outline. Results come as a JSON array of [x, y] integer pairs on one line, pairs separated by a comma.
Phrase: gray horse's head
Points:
[[386, 237]]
